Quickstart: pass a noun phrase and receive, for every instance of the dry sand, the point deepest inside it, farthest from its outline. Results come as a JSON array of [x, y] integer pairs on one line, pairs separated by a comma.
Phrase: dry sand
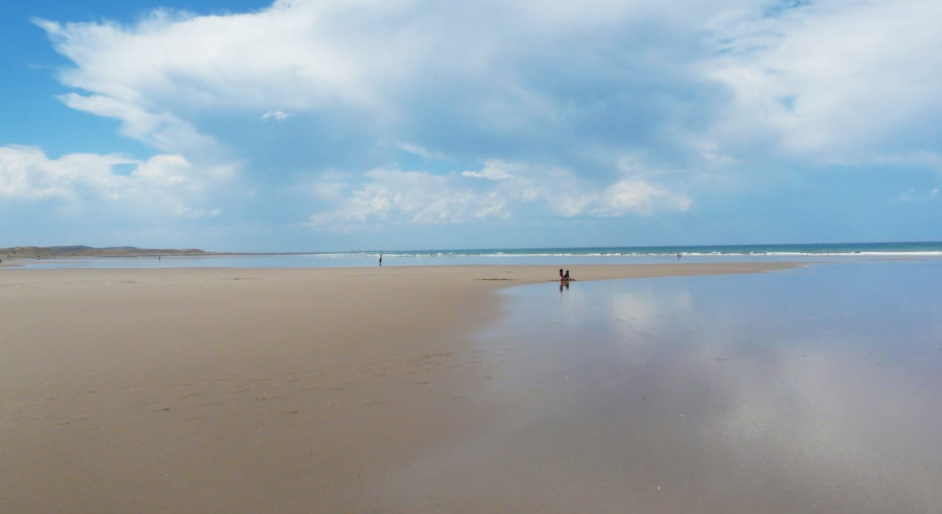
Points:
[[250, 390]]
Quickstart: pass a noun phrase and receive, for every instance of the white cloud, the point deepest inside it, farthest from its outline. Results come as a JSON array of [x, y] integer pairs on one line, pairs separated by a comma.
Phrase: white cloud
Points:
[[79, 182], [175, 62], [163, 170], [411, 197], [831, 77], [838, 78], [405, 197], [392, 60], [161, 130], [416, 150], [276, 115], [628, 196], [492, 171], [834, 74], [700, 90]]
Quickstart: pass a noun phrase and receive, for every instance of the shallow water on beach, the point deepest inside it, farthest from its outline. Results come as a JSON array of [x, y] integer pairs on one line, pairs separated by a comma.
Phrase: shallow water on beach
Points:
[[810, 390], [365, 259]]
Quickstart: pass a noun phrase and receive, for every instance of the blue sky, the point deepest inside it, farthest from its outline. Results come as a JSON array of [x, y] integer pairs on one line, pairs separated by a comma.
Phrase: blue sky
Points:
[[307, 125]]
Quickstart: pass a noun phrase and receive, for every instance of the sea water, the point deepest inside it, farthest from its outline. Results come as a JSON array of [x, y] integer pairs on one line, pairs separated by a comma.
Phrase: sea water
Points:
[[511, 256]]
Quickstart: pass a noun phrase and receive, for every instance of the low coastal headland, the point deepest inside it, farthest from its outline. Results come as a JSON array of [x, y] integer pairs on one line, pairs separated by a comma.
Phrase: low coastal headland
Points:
[[55, 252]]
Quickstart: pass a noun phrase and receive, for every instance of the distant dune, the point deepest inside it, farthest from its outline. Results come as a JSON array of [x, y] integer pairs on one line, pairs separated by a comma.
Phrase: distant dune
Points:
[[32, 252]]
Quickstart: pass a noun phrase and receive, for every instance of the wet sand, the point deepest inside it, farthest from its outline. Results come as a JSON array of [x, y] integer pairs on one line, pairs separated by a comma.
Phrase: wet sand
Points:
[[812, 390], [306, 390]]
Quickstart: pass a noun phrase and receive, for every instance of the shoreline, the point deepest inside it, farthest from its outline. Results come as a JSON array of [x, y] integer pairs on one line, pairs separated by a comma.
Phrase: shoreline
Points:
[[248, 390]]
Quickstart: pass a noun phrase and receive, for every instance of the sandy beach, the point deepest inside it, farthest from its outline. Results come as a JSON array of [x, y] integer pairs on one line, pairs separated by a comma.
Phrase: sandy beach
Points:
[[251, 390]]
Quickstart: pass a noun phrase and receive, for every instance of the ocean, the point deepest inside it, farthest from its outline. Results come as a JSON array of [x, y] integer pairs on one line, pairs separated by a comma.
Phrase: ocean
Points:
[[502, 256]]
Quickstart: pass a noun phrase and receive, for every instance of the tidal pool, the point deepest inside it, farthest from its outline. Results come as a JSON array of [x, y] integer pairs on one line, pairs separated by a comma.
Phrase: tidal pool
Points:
[[810, 390]]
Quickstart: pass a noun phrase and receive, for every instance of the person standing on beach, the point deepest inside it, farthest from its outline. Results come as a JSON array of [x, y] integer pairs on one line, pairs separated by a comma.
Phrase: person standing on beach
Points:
[[381, 260]]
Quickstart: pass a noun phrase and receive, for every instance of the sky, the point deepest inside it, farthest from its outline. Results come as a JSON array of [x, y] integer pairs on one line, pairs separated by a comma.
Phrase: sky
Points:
[[320, 125]]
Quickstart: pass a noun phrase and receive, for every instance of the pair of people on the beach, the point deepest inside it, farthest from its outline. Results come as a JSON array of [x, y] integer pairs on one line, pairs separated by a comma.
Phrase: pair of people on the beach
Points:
[[563, 277]]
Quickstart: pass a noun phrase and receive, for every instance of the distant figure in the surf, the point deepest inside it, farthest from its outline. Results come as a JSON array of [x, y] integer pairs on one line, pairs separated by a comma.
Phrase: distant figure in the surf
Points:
[[678, 256], [381, 260]]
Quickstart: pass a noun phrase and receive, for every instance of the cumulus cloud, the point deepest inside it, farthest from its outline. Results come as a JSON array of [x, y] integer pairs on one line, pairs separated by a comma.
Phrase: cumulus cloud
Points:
[[78, 182], [836, 74], [399, 197], [492, 193], [637, 196], [549, 95], [841, 79], [538, 70]]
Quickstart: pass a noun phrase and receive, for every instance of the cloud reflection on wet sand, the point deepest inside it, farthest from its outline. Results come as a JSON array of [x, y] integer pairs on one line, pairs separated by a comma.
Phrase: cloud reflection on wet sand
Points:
[[813, 390]]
